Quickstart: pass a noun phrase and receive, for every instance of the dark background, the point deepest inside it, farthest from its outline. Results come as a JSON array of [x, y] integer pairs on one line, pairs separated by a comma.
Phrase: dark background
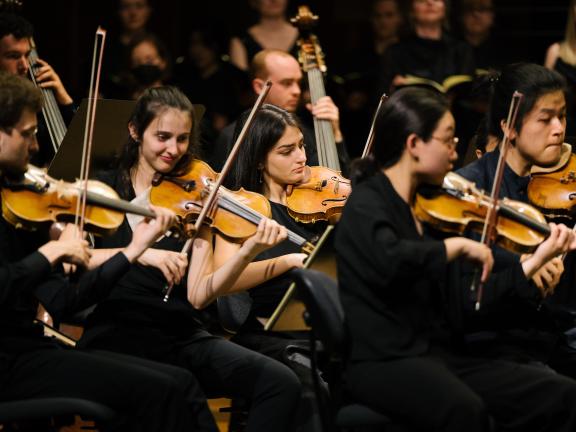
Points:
[[64, 29]]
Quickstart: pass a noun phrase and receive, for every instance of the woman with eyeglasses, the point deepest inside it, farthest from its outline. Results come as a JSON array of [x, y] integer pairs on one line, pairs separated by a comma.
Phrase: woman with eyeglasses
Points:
[[402, 296]]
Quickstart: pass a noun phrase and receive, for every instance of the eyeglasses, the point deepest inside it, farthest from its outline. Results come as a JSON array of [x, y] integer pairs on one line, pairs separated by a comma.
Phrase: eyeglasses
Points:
[[451, 142]]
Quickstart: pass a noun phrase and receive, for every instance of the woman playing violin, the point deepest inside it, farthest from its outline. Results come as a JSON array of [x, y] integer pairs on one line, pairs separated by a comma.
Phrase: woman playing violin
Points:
[[400, 291], [536, 140], [272, 161], [135, 320], [150, 396]]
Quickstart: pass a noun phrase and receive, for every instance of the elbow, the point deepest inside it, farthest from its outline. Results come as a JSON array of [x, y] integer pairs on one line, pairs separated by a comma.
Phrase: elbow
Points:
[[199, 303]]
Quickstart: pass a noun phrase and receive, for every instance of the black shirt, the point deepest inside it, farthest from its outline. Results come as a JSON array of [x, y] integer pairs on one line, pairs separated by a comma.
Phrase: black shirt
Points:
[[518, 322], [388, 274], [136, 299], [426, 58]]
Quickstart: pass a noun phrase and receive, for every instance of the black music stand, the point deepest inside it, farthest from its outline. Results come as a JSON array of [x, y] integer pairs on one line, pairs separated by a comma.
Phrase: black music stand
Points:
[[110, 134]]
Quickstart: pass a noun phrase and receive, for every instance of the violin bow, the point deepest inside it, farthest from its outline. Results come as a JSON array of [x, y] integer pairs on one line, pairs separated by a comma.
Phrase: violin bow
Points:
[[370, 140], [488, 232], [214, 188], [97, 55]]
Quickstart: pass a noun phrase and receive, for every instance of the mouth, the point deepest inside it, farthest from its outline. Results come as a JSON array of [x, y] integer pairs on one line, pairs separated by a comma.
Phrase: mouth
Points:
[[298, 170], [167, 159]]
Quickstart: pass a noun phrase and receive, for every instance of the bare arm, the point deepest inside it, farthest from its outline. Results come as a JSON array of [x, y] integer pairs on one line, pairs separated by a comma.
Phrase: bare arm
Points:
[[258, 272], [206, 282], [552, 55], [238, 55]]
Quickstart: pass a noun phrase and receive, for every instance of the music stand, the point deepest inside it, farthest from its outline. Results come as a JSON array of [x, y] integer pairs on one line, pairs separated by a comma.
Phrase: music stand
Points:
[[110, 134]]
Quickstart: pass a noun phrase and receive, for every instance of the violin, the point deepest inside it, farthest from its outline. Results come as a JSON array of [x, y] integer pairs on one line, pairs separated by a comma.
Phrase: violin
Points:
[[235, 214], [553, 190], [36, 200], [323, 195], [459, 206]]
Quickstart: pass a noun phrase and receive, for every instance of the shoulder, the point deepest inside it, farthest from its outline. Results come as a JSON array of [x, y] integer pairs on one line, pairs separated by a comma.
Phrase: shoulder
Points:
[[476, 171], [552, 54]]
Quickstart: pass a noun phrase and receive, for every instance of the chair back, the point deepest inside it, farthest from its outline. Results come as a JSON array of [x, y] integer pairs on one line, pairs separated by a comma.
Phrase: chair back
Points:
[[319, 293]]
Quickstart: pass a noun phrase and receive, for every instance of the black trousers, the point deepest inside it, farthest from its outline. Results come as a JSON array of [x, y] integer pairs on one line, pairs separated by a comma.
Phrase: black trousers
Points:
[[452, 393], [292, 349], [223, 369], [149, 396]]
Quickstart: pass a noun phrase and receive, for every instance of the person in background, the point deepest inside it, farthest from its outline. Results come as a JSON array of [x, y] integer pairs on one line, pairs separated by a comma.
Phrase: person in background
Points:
[[272, 31]]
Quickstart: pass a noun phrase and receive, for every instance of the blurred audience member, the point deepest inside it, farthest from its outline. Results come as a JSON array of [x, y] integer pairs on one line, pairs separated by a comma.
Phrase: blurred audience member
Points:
[[476, 21], [428, 51], [273, 31], [561, 56], [220, 86], [133, 16]]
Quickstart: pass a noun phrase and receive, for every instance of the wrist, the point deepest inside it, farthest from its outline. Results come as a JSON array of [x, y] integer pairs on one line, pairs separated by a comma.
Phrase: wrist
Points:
[[133, 252], [531, 265], [51, 252]]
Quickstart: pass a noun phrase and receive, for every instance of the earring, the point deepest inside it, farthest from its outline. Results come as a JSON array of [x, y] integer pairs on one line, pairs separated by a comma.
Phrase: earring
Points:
[[260, 177]]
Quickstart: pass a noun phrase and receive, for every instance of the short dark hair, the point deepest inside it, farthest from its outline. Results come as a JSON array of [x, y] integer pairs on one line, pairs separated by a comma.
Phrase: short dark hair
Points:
[[16, 95], [16, 25], [410, 110], [268, 126], [530, 79]]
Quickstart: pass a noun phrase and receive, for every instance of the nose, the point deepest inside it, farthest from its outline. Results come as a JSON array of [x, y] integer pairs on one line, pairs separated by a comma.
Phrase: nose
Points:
[[558, 125], [296, 89], [301, 158], [33, 148], [23, 65]]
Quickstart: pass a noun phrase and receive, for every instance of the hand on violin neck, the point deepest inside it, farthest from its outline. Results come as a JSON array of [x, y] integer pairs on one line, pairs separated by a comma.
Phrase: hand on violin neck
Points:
[[472, 251], [72, 251], [148, 231], [560, 240], [48, 78], [269, 234]]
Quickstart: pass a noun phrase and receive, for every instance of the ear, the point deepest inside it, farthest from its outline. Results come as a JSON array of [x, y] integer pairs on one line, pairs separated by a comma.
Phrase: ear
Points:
[[257, 85], [133, 133], [513, 134], [413, 146]]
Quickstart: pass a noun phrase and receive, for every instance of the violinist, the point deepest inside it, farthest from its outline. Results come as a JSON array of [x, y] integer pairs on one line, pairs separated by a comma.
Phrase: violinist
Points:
[[524, 328], [284, 72], [273, 160], [15, 35], [134, 319], [401, 294], [152, 397]]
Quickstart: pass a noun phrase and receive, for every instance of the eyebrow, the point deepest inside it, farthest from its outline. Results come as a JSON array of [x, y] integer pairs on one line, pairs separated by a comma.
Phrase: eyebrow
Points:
[[552, 110]]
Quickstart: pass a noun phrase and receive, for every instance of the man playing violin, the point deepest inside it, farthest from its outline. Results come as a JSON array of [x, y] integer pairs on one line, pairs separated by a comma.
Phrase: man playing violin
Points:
[[285, 74], [525, 327], [15, 35], [148, 396]]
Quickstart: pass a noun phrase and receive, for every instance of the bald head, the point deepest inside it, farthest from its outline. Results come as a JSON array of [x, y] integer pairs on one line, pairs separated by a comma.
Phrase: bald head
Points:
[[284, 72]]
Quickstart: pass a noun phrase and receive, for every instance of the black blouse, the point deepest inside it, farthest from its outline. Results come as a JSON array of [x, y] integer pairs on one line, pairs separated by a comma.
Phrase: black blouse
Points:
[[388, 275]]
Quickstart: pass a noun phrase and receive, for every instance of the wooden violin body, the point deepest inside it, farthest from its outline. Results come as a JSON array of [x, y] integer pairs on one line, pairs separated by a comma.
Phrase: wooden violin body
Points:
[[186, 195], [520, 227], [553, 191], [40, 200], [321, 197]]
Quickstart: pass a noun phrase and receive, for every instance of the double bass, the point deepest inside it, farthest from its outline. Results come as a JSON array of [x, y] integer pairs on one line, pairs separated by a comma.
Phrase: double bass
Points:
[[323, 195]]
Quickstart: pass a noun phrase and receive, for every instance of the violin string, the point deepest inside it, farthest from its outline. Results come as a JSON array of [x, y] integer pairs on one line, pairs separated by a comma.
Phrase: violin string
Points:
[[233, 205]]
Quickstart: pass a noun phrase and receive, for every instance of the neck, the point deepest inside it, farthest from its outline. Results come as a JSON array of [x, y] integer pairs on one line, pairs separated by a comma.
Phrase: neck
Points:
[[381, 44], [272, 22], [429, 31], [275, 192], [403, 180], [141, 176], [517, 162], [476, 39]]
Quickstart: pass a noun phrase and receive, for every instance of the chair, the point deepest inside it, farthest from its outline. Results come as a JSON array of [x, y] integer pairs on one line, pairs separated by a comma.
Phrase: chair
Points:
[[325, 316], [46, 408]]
